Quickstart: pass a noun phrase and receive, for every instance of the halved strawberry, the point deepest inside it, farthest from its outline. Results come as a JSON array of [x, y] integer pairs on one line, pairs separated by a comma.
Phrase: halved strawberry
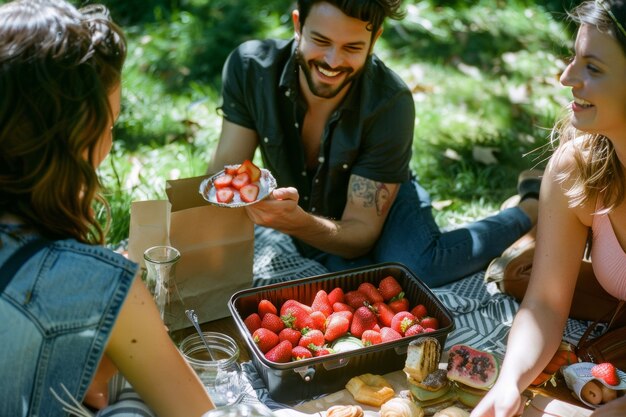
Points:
[[223, 181], [240, 180], [224, 195], [253, 171], [249, 192]]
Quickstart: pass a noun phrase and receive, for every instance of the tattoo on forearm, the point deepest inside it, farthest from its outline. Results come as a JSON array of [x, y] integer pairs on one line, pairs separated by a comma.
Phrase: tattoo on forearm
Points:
[[370, 194]]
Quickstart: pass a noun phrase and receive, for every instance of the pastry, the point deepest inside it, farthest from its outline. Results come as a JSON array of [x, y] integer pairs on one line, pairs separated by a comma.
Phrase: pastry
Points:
[[400, 407], [422, 358], [370, 389], [344, 411], [451, 412]]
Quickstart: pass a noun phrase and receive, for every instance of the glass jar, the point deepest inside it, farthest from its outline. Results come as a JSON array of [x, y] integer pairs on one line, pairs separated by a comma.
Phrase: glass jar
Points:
[[223, 377]]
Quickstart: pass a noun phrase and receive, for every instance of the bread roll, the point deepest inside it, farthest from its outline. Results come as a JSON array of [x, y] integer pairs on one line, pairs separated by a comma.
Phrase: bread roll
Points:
[[344, 411], [400, 407], [451, 412]]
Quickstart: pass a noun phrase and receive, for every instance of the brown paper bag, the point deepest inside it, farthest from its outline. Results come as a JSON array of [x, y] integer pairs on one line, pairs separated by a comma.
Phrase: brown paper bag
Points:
[[216, 246]]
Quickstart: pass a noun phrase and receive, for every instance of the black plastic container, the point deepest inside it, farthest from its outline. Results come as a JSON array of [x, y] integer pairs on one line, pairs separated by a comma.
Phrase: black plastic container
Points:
[[302, 380]]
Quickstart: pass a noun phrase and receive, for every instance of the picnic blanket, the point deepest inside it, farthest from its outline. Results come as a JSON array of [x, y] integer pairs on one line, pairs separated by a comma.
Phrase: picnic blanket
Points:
[[482, 315]]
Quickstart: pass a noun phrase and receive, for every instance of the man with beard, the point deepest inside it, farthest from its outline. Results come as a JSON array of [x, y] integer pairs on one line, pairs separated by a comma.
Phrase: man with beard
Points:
[[334, 125]]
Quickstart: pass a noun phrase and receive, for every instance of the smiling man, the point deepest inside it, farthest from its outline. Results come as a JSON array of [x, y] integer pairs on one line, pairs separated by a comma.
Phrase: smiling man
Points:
[[335, 126]]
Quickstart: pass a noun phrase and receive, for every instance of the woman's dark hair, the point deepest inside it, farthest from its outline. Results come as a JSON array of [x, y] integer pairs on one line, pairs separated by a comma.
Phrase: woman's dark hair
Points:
[[57, 68], [372, 11]]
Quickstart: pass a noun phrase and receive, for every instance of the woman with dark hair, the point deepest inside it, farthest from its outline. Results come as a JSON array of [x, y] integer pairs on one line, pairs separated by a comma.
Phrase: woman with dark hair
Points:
[[69, 306], [583, 189]]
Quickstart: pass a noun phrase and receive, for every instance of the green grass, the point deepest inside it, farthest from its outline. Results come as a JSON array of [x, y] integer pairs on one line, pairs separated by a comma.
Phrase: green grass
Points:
[[484, 76]]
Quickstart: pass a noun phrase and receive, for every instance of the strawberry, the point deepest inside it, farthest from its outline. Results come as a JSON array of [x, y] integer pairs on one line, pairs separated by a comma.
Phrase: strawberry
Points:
[[240, 180], [322, 303], [265, 339], [252, 170], [290, 334], [339, 306], [399, 303], [252, 322], [363, 319], [371, 292], [336, 326], [388, 334], [323, 351], [429, 322], [335, 296], [606, 372], [249, 192], [231, 169], [224, 195], [281, 353], [419, 311], [311, 337], [371, 337], [222, 181], [402, 321], [297, 317], [292, 302], [299, 353], [385, 314], [266, 306], [318, 320], [413, 330], [355, 299], [272, 322], [346, 314], [389, 288]]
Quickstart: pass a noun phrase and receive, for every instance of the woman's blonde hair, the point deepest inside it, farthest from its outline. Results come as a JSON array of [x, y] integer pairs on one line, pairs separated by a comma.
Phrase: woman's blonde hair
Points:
[[597, 169], [57, 68]]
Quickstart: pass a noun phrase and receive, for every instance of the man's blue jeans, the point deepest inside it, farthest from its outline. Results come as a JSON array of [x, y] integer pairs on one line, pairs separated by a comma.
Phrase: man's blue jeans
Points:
[[411, 236]]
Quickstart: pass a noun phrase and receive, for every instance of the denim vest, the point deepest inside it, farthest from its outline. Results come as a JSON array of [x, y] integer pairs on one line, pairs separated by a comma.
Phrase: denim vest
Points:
[[56, 318]]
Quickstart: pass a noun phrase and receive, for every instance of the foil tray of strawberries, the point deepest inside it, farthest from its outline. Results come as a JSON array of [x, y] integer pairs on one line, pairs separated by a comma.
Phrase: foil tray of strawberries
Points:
[[374, 341]]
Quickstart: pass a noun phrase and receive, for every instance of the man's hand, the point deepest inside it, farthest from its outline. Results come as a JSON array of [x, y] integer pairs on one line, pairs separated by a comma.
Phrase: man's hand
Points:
[[279, 211]]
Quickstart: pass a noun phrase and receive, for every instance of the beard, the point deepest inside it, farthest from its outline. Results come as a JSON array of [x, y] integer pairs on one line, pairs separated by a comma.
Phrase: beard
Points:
[[321, 89]]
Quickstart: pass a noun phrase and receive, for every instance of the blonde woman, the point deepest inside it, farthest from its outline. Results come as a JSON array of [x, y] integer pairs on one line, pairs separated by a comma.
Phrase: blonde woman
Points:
[[583, 190]]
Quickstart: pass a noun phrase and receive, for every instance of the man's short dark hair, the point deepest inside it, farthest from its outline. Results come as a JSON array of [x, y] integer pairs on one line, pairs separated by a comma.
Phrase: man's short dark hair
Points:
[[372, 11]]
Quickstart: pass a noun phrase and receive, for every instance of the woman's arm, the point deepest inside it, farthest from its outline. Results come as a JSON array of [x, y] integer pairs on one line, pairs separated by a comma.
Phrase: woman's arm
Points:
[[538, 326], [143, 352]]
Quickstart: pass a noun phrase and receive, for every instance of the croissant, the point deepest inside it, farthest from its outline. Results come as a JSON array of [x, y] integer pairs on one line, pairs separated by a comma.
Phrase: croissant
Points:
[[344, 411], [400, 407]]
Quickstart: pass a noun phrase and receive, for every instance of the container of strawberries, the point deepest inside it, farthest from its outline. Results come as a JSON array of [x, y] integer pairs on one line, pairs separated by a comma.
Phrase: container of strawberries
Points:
[[309, 336]]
